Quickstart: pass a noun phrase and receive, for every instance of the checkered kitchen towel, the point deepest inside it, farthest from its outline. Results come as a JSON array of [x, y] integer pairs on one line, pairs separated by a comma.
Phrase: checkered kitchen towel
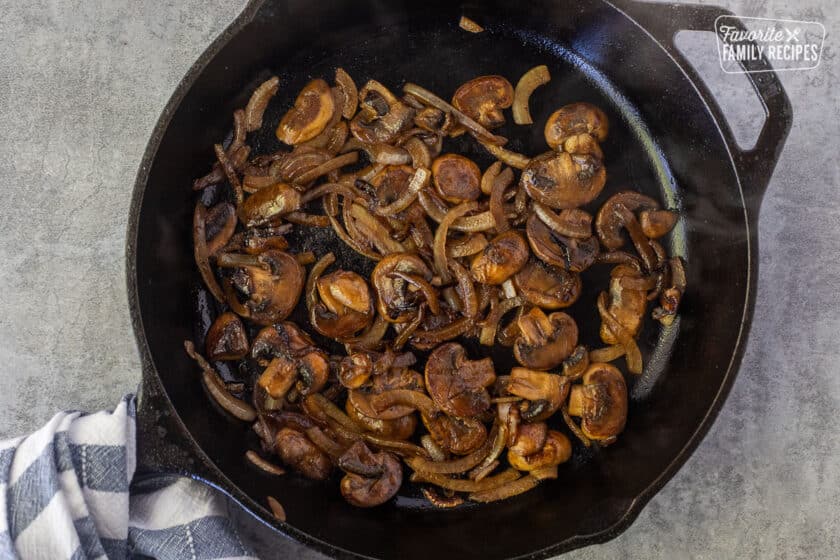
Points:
[[64, 494]]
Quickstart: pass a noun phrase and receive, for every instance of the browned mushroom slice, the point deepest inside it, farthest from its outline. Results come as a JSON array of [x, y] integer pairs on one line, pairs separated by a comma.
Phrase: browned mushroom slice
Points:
[[392, 379], [503, 257], [372, 478], [381, 115], [657, 223], [574, 119], [398, 299], [527, 439], [398, 428], [457, 179], [557, 450], [226, 339], [564, 180], [609, 222], [219, 225], [483, 99], [547, 286], [544, 340], [277, 200], [627, 305], [314, 109], [600, 402], [298, 452], [545, 392], [552, 248], [460, 436], [354, 370], [289, 356], [457, 385], [269, 283], [346, 305], [279, 376]]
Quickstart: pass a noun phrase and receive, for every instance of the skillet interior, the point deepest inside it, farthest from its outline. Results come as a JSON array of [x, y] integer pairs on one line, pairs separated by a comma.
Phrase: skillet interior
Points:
[[662, 142]]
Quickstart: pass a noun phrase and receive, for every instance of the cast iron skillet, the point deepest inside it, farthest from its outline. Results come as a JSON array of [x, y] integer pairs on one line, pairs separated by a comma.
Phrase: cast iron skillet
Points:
[[667, 139]]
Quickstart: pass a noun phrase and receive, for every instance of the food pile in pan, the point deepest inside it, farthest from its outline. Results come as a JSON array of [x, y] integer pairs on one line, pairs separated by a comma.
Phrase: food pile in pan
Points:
[[464, 260]]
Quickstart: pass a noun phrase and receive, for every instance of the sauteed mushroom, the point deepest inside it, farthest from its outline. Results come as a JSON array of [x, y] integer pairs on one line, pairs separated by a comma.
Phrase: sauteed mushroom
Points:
[[298, 452], [547, 286], [314, 109], [290, 357], [381, 115], [226, 339], [503, 257], [527, 439], [457, 179], [574, 119], [552, 248], [460, 436], [270, 202], [396, 378], [483, 98], [627, 305], [544, 391], [657, 223], [556, 450], [564, 180], [457, 385], [270, 284], [401, 281], [346, 305], [372, 478], [600, 402], [609, 221], [544, 340], [397, 428]]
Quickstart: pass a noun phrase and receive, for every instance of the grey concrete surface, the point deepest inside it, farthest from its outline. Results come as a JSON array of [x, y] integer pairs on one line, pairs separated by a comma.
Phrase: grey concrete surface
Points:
[[81, 86]]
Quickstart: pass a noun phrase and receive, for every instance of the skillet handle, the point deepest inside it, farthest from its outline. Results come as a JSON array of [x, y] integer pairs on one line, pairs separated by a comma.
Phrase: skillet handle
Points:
[[755, 166]]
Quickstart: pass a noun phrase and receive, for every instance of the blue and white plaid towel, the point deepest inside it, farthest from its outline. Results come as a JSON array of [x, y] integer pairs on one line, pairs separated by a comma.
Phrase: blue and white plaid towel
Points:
[[64, 494]]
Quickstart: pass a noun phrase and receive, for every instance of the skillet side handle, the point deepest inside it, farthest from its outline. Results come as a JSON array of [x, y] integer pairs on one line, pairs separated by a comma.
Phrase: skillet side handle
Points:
[[755, 166]]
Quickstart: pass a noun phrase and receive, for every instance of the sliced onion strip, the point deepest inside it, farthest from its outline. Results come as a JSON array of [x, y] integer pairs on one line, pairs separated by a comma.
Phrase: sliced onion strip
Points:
[[530, 80]]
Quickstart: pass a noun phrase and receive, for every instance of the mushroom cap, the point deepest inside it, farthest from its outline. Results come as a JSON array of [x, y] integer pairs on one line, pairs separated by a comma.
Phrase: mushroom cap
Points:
[[544, 340], [552, 248], [226, 339], [483, 98], [456, 178], [574, 119], [657, 223], [289, 356], [557, 449], [627, 305], [346, 305], [600, 402], [354, 370], [609, 222], [273, 291], [460, 436], [529, 438], [396, 300], [503, 257], [563, 180], [457, 385], [298, 452], [546, 389], [546, 286], [372, 478], [266, 203], [381, 115], [391, 182], [313, 110]]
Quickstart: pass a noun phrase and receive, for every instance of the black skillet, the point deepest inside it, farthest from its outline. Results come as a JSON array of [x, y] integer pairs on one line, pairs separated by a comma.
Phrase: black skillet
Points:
[[667, 139]]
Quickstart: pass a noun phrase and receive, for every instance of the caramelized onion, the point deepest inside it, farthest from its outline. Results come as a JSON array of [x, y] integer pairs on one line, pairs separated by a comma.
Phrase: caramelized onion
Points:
[[259, 101], [530, 80], [507, 157], [441, 234], [430, 98], [200, 252]]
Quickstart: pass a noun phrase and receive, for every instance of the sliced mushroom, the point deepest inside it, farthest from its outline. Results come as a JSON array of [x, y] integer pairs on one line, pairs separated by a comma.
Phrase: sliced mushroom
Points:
[[277, 200], [600, 402], [564, 180], [298, 452], [457, 385], [354, 370], [313, 110], [583, 144], [289, 356], [544, 340], [381, 115], [503, 257], [460, 436], [457, 179], [392, 379], [557, 450], [545, 392], [547, 286], [346, 305], [390, 183], [226, 339], [529, 438], [610, 221], [657, 223], [627, 305], [398, 299], [574, 119], [270, 285], [483, 99], [552, 248], [372, 478], [219, 225], [397, 428]]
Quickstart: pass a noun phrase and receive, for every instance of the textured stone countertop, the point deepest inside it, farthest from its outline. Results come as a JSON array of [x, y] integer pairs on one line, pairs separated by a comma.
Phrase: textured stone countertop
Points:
[[81, 86]]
